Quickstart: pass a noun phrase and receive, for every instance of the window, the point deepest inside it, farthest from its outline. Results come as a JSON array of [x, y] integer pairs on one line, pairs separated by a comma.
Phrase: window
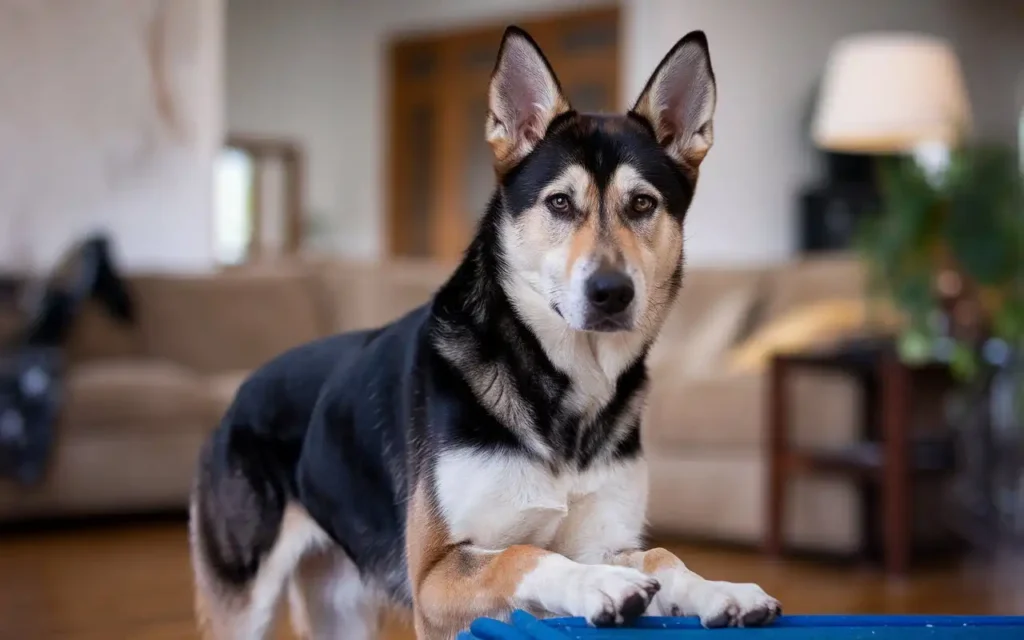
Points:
[[233, 206]]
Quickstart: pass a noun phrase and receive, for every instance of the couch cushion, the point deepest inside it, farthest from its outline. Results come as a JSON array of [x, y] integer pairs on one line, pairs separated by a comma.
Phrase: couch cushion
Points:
[[369, 294], [222, 387], [231, 321], [812, 325], [730, 410], [799, 282], [722, 409], [107, 473], [721, 495], [713, 310], [96, 335], [135, 395], [700, 349], [701, 289]]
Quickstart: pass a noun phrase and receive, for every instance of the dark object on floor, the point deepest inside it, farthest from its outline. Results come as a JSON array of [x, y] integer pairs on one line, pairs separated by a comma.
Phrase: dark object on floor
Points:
[[31, 365]]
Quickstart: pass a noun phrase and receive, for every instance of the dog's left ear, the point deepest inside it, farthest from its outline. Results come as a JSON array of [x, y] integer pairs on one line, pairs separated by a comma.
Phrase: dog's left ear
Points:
[[679, 101], [524, 97]]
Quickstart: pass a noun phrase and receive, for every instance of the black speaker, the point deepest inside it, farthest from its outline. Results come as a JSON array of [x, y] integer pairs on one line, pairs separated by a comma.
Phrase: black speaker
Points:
[[830, 216]]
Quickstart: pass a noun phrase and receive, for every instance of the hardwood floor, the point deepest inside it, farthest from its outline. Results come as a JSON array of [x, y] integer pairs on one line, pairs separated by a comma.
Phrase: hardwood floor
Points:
[[133, 581]]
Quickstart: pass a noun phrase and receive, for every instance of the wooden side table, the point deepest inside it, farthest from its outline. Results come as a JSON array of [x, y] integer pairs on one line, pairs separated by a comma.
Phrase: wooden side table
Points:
[[884, 457]]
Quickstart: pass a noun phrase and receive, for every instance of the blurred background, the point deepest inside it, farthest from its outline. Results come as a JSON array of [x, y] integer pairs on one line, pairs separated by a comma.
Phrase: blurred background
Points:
[[189, 187]]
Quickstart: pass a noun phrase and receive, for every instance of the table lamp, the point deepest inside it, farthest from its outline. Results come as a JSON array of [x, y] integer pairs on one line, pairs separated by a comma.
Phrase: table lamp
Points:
[[895, 94], [892, 93]]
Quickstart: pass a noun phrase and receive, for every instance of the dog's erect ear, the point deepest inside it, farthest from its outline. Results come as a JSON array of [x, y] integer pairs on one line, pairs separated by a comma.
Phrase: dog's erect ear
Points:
[[524, 97], [679, 101]]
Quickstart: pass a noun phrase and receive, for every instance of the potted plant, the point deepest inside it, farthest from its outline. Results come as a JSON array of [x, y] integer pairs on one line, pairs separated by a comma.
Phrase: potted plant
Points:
[[947, 251]]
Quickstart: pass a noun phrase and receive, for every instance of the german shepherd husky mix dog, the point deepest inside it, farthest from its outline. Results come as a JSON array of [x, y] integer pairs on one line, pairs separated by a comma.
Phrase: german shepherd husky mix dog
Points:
[[483, 452]]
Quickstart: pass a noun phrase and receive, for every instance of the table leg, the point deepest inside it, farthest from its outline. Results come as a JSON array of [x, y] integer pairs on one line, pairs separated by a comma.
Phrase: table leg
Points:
[[896, 488], [777, 445]]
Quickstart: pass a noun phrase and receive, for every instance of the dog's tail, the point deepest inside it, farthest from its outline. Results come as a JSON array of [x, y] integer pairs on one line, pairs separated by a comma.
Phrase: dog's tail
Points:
[[238, 500]]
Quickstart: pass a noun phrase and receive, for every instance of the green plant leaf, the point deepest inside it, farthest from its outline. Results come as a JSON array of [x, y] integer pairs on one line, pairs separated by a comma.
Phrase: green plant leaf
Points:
[[984, 200], [964, 362], [914, 346], [974, 216]]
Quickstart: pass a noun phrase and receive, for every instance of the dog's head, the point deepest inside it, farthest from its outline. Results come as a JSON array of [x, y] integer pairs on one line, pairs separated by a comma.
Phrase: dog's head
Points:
[[593, 205]]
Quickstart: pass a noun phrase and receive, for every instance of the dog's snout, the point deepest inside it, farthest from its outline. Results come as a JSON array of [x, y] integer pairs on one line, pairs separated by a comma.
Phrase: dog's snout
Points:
[[610, 291]]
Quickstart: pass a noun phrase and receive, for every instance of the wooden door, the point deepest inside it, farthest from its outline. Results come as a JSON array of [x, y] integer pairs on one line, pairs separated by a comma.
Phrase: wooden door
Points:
[[440, 175]]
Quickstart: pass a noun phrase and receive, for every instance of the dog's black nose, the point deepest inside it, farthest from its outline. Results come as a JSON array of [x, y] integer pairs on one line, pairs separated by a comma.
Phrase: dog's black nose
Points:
[[610, 291]]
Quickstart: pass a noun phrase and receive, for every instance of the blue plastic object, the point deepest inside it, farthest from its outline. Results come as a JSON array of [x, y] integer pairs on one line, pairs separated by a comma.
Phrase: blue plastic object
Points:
[[523, 626]]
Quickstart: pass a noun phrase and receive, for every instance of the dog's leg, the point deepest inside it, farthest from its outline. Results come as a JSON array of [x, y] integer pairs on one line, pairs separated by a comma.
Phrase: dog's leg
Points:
[[328, 599], [454, 583], [683, 592], [227, 610], [607, 526]]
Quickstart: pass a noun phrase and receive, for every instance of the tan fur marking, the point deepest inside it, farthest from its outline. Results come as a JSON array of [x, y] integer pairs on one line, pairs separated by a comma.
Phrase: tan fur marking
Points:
[[626, 183], [694, 156], [650, 562], [587, 200], [659, 559], [583, 242], [452, 584], [685, 152], [508, 150], [628, 243]]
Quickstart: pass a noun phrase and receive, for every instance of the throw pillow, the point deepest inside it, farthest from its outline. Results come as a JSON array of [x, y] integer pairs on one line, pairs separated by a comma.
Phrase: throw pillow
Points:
[[808, 326], [715, 333]]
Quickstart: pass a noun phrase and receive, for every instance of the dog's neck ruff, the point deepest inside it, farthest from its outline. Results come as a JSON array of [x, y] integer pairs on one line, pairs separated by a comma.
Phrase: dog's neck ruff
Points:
[[569, 396]]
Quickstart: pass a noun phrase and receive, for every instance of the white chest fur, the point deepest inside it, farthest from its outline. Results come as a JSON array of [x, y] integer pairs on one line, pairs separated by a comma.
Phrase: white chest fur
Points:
[[494, 501]]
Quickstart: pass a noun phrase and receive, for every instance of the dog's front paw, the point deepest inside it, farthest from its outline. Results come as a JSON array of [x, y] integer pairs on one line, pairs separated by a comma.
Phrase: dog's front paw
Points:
[[607, 595], [728, 604]]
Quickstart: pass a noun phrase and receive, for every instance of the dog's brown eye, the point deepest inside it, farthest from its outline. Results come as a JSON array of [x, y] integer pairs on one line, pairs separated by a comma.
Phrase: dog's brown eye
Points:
[[559, 203], [642, 204]]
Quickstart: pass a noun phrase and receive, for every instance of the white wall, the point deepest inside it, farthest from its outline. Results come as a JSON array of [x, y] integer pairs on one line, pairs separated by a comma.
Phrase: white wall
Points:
[[314, 69], [109, 119]]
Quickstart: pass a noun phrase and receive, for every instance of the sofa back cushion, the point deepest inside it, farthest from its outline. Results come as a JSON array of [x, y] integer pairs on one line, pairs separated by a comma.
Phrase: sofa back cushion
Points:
[[96, 335], [229, 321], [801, 282], [362, 295], [713, 310]]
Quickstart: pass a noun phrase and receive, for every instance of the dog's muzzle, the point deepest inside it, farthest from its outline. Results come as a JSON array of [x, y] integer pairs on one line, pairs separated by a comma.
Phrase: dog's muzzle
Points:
[[610, 293]]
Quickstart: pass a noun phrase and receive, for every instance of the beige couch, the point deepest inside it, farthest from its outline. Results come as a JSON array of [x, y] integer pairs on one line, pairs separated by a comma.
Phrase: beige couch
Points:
[[141, 400], [706, 423]]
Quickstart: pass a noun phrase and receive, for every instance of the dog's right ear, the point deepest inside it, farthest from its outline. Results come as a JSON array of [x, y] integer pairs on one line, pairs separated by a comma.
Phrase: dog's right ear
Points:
[[524, 97]]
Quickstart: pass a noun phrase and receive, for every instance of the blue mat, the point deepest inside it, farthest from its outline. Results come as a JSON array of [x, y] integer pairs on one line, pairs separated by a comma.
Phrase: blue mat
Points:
[[523, 626]]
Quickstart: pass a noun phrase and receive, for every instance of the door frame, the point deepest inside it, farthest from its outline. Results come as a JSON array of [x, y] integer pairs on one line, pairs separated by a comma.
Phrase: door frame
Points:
[[450, 233]]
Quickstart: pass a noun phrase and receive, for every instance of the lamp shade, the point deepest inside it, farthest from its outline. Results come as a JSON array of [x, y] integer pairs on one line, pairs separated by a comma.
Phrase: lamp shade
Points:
[[890, 93]]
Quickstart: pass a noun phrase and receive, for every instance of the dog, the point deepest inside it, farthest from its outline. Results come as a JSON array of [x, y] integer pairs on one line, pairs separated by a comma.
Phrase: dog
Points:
[[482, 453]]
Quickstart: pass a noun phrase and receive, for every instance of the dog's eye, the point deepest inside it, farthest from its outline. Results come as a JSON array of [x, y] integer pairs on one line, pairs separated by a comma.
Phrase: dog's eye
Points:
[[642, 204], [559, 203]]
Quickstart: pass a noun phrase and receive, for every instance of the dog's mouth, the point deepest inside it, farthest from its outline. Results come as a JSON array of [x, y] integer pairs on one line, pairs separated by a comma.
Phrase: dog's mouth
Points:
[[610, 324], [599, 323]]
